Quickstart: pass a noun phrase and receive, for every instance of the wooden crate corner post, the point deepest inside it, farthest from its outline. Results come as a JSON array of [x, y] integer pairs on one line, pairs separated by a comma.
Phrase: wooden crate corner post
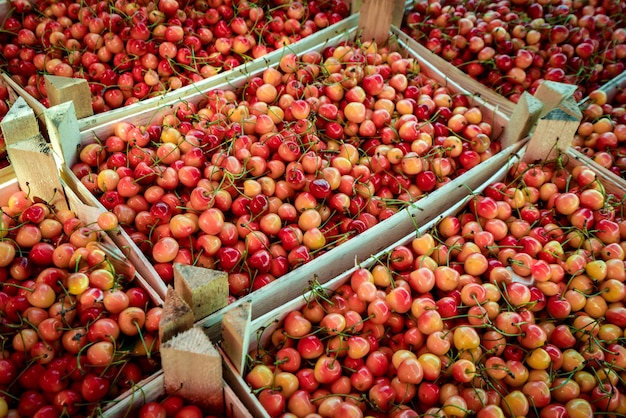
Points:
[[554, 133], [36, 170], [192, 368], [19, 123], [376, 19], [65, 89], [523, 119], [63, 131], [236, 334], [177, 316], [553, 94], [204, 290]]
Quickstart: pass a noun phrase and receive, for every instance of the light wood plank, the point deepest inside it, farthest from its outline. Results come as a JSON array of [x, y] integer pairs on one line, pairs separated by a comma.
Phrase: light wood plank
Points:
[[375, 20], [7, 174], [236, 334], [192, 368], [63, 132], [525, 115], [233, 405], [177, 316], [19, 122], [554, 133], [204, 290], [36, 170], [553, 94], [65, 89]]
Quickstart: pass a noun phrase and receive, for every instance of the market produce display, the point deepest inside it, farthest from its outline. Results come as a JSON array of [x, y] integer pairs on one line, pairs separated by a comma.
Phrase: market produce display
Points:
[[513, 306], [487, 299], [308, 154], [512, 45], [129, 51], [76, 330], [602, 132]]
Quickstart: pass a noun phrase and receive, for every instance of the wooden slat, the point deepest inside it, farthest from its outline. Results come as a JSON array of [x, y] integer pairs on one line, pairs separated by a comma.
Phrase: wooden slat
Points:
[[523, 120], [236, 334], [36, 170], [129, 403], [6, 174], [375, 19], [233, 406], [192, 368], [399, 8], [554, 133], [553, 95], [19, 122], [177, 316], [559, 118], [62, 126], [151, 389], [204, 290], [65, 89]]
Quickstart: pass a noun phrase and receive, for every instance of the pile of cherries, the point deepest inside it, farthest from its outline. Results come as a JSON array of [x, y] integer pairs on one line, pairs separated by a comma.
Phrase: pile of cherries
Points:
[[173, 406], [512, 307], [258, 181], [132, 50], [76, 331], [601, 135], [512, 45]]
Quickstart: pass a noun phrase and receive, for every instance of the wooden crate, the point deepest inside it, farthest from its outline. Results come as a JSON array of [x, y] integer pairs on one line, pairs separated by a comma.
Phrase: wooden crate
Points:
[[260, 329], [89, 215], [611, 88], [272, 320], [503, 104], [353, 251], [151, 389], [91, 123]]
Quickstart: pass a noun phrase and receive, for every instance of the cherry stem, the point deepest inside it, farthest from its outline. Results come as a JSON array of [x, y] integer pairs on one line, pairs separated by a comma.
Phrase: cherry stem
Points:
[[143, 341]]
